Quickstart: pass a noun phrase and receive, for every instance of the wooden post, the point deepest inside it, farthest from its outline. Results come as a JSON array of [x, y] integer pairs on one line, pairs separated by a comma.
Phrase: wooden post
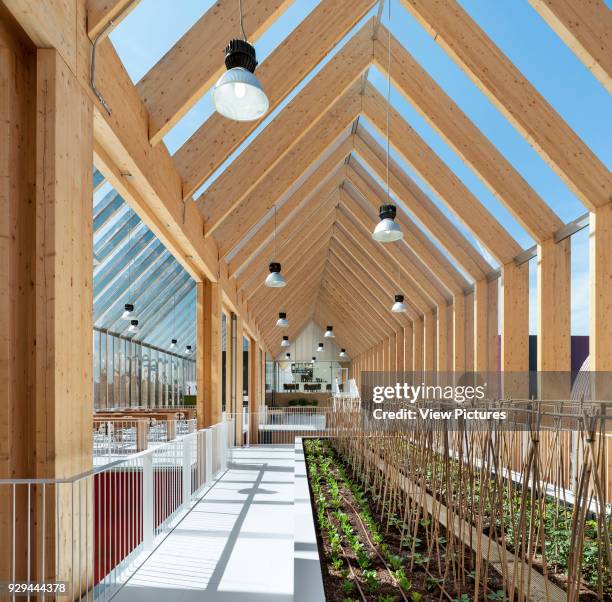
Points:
[[208, 359], [469, 332], [428, 342], [417, 347], [554, 316], [481, 326], [601, 300], [399, 351], [238, 378], [254, 390], [458, 335], [442, 338], [408, 342], [493, 347], [515, 329]]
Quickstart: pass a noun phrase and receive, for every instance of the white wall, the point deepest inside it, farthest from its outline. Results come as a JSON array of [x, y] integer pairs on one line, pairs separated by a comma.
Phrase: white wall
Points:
[[304, 347]]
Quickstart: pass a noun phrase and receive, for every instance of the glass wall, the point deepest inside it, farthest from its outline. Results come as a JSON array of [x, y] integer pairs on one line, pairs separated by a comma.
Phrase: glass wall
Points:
[[130, 374]]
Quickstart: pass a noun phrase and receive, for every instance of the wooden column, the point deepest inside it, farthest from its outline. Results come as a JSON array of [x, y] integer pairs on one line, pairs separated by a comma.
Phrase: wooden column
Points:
[[399, 351], [208, 363], [493, 345], [238, 378], [408, 342], [254, 401], [428, 342], [442, 338], [600, 343], [481, 326], [417, 347], [459, 334], [515, 329], [554, 317], [469, 332]]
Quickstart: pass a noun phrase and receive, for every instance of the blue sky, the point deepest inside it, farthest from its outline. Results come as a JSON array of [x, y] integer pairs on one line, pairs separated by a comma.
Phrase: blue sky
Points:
[[155, 25]]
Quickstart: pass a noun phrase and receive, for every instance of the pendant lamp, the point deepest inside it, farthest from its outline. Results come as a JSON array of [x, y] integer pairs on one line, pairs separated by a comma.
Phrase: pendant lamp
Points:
[[285, 342], [275, 279], [399, 306], [282, 321], [342, 353], [238, 95], [320, 347], [133, 327], [329, 333]]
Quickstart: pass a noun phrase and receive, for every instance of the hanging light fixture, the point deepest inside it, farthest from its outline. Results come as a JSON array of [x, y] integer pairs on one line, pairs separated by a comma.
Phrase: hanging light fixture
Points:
[[188, 350], [288, 356], [285, 342], [342, 353], [133, 327], [128, 308], [238, 95], [282, 320], [320, 347], [329, 333], [275, 279], [173, 344], [387, 230], [399, 306], [314, 359]]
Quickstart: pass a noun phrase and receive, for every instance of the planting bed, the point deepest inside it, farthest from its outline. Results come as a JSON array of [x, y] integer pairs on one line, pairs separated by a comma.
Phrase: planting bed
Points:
[[366, 554]]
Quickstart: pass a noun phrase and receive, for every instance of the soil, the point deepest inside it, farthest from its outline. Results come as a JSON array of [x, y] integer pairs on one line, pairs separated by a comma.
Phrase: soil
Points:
[[421, 576]]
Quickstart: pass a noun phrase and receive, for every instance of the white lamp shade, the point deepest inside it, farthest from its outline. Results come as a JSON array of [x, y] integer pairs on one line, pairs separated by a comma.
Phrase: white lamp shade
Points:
[[320, 347], [342, 353], [128, 312], [399, 306], [329, 333], [285, 342], [275, 280], [387, 231], [133, 327], [173, 344], [282, 321], [238, 95]]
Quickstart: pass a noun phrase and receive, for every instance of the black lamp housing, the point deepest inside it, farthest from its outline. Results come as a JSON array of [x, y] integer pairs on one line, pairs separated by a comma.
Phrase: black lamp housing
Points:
[[239, 53], [282, 315], [128, 307], [399, 298], [275, 267], [387, 212]]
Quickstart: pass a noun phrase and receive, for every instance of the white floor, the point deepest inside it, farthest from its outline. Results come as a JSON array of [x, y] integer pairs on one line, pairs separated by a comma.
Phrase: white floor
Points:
[[236, 545]]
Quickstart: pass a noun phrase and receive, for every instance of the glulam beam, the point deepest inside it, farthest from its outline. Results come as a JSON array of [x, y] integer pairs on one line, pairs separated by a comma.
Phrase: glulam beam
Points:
[[586, 28], [442, 180], [516, 98], [104, 15], [476, 150], [272, 144], [312, 39], [175, 83], [331, 129]]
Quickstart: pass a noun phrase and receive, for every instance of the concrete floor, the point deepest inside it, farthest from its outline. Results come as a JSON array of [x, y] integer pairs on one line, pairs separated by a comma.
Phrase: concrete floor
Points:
[[236, 544]]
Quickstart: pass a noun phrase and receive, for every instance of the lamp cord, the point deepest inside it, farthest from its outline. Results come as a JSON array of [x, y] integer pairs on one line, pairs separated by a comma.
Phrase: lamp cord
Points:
[[244, 36], [388, 93]]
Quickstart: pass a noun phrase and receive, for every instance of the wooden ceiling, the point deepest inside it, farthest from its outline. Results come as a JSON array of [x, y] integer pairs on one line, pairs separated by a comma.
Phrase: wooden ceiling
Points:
[[315, 162]]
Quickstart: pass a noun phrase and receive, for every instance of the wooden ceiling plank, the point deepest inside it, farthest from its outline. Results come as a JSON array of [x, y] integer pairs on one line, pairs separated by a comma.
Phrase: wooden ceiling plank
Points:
[[329, 129], [516, 98], [586, 28], [466, 207], [272, 144], [462, 135], [215, 140], [348, 335], [176, 82], [371, 192]]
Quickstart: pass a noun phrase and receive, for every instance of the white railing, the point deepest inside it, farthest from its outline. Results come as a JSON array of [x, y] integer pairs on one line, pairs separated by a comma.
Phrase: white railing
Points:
[[92, 531], [114, 438]]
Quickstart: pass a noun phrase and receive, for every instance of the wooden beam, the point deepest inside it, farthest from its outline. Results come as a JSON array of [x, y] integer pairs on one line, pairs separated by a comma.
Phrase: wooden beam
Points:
[[476, 150], [466, 207], [272, 144], [516, 98], [104, 15], [312, 39], [175, 83], [586, 28], [329, 130]]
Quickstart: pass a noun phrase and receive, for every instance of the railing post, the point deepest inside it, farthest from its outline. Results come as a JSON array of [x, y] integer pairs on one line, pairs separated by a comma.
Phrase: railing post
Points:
[[148, 523], [208, 450], [187, 442]]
